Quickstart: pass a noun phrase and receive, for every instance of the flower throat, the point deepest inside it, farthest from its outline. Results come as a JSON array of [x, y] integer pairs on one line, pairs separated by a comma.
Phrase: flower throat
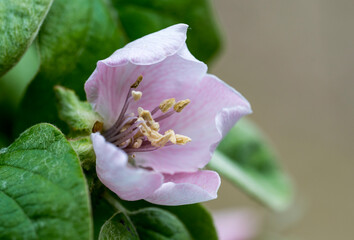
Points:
[[141, 133]]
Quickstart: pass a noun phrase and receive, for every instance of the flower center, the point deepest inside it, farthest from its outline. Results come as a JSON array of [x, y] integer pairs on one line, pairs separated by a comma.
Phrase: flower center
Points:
[[141, 133]]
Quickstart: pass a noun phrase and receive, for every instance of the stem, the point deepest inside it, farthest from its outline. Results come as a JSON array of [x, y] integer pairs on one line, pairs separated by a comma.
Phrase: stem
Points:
[[111, 200]]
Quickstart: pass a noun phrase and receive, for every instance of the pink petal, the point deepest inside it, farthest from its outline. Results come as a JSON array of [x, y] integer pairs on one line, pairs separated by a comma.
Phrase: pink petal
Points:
[[162, 58], [186, 188], [234, 224], [114, 171], [214, 109]]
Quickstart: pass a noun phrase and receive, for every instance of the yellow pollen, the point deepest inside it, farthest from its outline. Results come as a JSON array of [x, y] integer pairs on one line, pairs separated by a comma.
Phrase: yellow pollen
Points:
[[165, 105], [181, 139], [146, 116], [181, 104], [136, 95], [160, 142], [137, 82], [137, 143], [173, 136]]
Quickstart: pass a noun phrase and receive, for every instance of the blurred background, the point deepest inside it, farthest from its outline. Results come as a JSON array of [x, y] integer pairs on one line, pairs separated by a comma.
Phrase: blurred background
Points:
[[293, 60]]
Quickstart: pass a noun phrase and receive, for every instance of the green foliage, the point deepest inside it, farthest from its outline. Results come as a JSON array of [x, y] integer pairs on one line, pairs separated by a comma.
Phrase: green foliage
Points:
[[247, 160], [43, 194], [19, 24], [151, 221], [119, 226], [195, 217], [158, 224]]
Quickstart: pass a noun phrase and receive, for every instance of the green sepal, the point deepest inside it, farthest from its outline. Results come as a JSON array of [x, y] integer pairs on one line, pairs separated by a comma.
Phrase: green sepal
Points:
[[77, 114]]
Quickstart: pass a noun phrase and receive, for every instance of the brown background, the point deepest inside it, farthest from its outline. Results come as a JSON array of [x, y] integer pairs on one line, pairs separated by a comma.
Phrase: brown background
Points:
[[294, 62]]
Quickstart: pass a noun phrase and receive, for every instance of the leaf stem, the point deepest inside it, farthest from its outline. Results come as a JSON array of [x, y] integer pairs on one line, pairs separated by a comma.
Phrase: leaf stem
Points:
[[112, 201]]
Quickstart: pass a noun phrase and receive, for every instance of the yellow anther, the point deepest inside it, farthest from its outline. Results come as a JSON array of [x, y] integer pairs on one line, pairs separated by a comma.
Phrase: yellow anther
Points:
[[137, 82], [181, 139], [155, 126], [163, 139], [165, 105], [136, 95], [181, 104], [137, 143], [173, 136], [145, 114]]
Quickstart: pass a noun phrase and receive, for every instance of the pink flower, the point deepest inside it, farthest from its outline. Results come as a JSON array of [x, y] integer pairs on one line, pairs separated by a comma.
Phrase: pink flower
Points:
[[233, 224], [153, 145]]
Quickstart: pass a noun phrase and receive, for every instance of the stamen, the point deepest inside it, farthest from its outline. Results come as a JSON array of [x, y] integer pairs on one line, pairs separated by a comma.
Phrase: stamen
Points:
[[155, 110], [97, 127], [165, 105], [125, 144], [141, 149], [136, 95], [181, 139], [173, 136], [137, 82], [124, 133], [141, 133], [163, 116], [114, 130], [163, 140], [137, 143], [127, 135], [181, 104], [146, 116]]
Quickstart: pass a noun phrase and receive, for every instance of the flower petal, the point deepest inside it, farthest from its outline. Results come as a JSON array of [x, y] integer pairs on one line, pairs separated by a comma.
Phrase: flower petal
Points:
[[162, 58], [113, 170], [186, 188], [214, 109], [152, 48], [235, 224]]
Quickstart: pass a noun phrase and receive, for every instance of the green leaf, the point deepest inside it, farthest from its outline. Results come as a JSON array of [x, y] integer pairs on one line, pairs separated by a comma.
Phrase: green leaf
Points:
[[20, 21], [247, 160], [141, 17], [119, 227], [195, 217], [155, 223], [43, 194]]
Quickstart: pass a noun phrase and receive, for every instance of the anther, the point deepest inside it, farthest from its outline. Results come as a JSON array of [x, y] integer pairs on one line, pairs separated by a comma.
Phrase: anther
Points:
[[181, 139], [97, 127], [137, 143], [136, 95], [137, 82], [165, 105], [181, 104]]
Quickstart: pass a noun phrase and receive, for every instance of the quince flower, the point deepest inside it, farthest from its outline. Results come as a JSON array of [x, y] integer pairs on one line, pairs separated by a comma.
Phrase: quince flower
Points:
[[163, 118]]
